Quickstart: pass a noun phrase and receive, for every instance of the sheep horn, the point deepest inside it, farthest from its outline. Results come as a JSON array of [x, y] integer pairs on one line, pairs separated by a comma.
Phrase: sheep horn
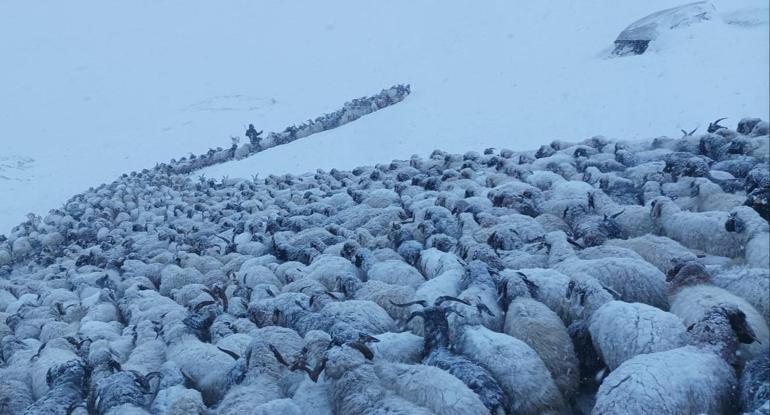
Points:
[[574, 243], [411, 303], [330, 294], [210, 293], [616, 295], [617, 214], [278, 355], [364, 349], [203, 304], [413, 315], [452, 310], [484, 309], [531, 286], [229, 352], [444, 298]]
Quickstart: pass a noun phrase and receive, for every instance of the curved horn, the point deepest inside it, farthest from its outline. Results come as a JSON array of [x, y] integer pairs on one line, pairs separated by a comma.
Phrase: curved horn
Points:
[[278, 355], [364, 349], [230, 353], [484, 309], [411, 303], [444, 298], [203, 304], [452, 310], [413, 315]]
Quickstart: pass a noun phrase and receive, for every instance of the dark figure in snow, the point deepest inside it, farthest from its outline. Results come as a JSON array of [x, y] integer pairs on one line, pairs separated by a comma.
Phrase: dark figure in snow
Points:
[[253, 135]]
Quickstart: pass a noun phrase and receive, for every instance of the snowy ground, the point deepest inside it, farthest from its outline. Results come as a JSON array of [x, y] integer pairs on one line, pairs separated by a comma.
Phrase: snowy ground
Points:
[[91, 89]]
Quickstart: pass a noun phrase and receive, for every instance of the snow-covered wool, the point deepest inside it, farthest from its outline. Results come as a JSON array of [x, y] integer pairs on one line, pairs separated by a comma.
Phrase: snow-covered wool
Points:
[[620, 331], [518, 369], [541, 329], [208, 281]]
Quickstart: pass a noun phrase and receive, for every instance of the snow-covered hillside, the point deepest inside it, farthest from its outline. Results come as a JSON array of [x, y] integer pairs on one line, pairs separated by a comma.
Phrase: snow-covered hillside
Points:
[[91, 89]]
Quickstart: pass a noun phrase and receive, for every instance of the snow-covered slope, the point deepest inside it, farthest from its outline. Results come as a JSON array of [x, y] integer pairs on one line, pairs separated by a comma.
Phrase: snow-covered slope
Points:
[[91, 89]]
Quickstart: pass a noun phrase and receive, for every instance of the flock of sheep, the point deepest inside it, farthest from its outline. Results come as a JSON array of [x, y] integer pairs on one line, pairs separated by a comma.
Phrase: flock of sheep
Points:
[[600, 277]]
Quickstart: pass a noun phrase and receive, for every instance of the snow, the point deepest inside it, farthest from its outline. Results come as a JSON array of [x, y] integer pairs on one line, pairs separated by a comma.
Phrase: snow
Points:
[[92, 89]]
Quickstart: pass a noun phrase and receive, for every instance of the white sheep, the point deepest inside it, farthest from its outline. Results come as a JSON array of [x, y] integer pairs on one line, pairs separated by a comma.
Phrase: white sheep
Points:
[[516, 367], [752, 284], [692, 296], [355, 387], [635, 280], [704, 231], [620, 331], [666, 382], [429, 387], [657, 250], [540, 328], [753, 235]]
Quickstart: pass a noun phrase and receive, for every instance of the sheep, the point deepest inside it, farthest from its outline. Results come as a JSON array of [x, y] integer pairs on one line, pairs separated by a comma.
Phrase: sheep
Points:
[[620, 331], [635, 280], [536, 325], [753, 235], [665, 382], [751, 284], [518, 369], [430, 387], [355, 388], [384, 295], [657, 250], [390, 271], [66, 385], [755, 385], [709, 196], [125, 390], [692, 296], [544, 285], [15, 397], [703, 231], [174, 398], [437, 353]]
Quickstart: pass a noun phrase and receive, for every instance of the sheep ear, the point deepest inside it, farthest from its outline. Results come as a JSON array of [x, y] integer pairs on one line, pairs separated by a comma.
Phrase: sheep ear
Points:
[[690, 327], [48, 377]]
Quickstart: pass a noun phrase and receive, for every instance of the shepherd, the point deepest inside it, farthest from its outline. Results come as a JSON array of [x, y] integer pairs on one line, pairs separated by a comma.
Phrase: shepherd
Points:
[[253, 135]]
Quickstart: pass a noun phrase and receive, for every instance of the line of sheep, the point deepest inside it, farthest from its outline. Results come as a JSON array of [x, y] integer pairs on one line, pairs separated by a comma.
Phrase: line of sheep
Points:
[[350, 111], [600, 277]]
